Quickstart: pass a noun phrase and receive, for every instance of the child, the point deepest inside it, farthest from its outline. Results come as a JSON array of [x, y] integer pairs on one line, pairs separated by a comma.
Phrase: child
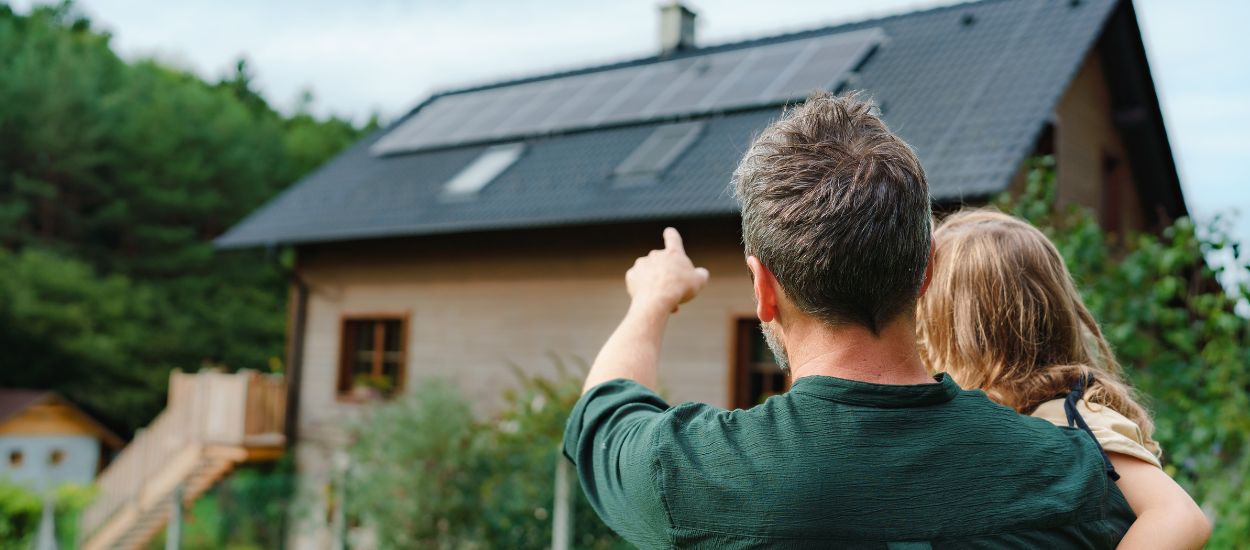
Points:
[[1001, 314]]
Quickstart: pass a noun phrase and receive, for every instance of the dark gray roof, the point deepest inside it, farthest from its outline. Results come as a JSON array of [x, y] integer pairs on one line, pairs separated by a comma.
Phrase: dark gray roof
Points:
[[968, 86]]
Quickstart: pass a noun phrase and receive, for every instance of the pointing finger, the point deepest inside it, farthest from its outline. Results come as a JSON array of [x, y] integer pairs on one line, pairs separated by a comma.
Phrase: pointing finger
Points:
[[672, 240]]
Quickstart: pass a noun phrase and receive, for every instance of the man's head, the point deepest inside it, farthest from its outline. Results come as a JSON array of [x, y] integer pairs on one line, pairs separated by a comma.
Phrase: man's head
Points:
[[836, 210]]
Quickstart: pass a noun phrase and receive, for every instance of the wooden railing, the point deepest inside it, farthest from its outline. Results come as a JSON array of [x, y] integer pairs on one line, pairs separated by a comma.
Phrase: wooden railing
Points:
[[206, 409]]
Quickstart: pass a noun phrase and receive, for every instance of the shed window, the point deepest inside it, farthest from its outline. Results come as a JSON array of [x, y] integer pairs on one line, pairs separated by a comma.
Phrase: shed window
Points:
[[483, 170], [56, 457], [372, 361], [15, 458]]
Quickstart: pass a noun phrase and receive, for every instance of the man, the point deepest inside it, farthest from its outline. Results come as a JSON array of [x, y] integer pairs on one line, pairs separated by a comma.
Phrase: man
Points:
[[867, 450]]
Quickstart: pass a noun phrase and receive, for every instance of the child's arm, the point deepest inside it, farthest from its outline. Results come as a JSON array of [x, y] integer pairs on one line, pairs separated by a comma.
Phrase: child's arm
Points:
[[1166, 516]]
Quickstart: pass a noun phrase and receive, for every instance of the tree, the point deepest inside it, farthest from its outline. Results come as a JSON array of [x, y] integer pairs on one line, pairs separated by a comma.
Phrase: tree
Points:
[[121, 174]]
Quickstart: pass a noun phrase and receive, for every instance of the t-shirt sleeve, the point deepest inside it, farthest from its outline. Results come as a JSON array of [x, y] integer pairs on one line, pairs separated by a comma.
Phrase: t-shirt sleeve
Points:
[[1114, 431], [611, 440]]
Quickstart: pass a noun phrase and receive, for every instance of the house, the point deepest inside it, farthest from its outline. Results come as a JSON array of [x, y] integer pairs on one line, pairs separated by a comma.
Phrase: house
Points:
[[491, 225], [46, 441]]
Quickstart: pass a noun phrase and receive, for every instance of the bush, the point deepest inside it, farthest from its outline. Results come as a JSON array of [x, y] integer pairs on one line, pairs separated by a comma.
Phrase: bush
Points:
[[21, 510], [414, 469], [1177, 333], [247, 510], [426, 474]]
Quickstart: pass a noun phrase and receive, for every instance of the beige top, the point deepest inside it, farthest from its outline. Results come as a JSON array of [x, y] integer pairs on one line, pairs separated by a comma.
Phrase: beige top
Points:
[[1115, 432]]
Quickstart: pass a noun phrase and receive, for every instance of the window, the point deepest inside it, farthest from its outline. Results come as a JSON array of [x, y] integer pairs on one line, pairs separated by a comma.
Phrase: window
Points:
[[756, 375], [656, 153], [483, 170], [56, 457], [1114, 183], [15, 458], [372, 361]]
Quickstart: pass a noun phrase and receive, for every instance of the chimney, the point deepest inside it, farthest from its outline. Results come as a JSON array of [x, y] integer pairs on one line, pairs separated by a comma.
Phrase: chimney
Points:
[[676, 28]]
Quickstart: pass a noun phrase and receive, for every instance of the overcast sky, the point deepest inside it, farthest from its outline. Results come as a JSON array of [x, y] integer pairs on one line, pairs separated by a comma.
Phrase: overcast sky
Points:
[[382, 56]]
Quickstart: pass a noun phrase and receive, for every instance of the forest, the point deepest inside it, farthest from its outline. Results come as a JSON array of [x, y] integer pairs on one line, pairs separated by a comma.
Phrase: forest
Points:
[[115, 176]]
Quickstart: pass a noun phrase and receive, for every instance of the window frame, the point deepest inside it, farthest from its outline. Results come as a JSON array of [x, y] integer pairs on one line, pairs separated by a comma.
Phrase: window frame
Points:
[[343, 380], [1114, 180], [739, 343]]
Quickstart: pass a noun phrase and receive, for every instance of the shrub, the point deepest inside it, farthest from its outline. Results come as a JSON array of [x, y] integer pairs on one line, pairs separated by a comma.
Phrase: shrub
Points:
[[21, 510], [425, 473], [247, 510]]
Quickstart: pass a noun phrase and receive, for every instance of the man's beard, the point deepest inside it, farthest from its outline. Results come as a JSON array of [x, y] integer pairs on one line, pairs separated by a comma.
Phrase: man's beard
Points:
[[778, 349]]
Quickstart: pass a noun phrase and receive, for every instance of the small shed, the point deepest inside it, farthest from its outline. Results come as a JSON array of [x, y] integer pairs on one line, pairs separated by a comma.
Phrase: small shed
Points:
[[46, 441]]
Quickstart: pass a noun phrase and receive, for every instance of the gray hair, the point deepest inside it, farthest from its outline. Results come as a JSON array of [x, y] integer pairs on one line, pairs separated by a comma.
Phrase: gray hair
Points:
[[838, 209]]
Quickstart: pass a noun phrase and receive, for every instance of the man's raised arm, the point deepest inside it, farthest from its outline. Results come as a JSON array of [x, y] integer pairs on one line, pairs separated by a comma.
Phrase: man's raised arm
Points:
[[658, 283]]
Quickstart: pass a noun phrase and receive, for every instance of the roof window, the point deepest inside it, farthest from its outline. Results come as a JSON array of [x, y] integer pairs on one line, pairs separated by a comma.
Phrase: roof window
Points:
[[656, 153], [484, 169]]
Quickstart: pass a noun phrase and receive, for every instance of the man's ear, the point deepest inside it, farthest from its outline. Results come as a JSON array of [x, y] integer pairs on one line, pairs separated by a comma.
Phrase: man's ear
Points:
[[928, 267], [766, 289]]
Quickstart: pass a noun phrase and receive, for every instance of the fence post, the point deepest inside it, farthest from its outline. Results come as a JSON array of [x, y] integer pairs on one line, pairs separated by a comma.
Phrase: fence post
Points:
[[562, 518], [338, 527], [46, 538], [173, 532]]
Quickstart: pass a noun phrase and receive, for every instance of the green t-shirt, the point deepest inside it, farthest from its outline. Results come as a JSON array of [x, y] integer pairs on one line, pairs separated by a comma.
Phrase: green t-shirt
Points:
[[840, 463]]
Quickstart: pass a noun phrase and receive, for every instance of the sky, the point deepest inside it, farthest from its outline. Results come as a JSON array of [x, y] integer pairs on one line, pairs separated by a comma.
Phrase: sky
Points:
[[363, 57]]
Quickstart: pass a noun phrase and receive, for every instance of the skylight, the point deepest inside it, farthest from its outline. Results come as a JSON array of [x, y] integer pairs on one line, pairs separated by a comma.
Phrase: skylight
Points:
[[483, 170], [656, 153]]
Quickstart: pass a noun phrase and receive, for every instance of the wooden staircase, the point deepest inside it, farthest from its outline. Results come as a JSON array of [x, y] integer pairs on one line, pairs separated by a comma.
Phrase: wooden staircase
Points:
[[213, 422]]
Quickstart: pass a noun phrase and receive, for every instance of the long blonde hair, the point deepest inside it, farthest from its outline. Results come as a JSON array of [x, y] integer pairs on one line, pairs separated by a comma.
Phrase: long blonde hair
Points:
[[1002, 314]]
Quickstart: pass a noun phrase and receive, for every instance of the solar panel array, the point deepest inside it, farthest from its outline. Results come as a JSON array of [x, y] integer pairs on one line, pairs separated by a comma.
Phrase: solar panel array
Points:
[[746, 77]]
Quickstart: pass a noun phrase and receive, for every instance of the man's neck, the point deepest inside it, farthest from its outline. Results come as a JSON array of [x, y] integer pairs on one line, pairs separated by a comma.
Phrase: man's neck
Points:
[[855, 353]]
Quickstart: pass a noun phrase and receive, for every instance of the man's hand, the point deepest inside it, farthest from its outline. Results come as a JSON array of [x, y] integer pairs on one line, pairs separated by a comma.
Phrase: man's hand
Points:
[[665, 278], [658, 283]]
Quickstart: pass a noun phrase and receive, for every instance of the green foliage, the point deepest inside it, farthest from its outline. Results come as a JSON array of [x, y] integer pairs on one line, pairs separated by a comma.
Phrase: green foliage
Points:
[[246, 511], [1176, 331], [518, 456], [76, 331], [119, 174], [426, 474], [21, 509], [19, 515], [414, 468]]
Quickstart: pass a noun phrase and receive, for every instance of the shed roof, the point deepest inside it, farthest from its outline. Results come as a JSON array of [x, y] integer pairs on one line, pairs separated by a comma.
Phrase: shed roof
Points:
[[969, 86], [13, 402]]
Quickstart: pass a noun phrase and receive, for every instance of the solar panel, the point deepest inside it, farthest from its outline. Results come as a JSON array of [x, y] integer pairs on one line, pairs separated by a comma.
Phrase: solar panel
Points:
[[714, 82], [629, 103], [756, 74], [699, 81], [581, 105], [531, 114], [829, 60]]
